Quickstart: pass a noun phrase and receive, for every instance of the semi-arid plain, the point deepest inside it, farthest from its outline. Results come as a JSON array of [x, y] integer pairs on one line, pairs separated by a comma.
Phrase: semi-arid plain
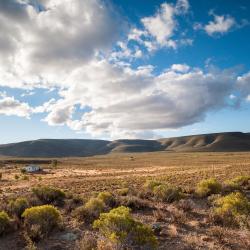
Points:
[[185, 222]]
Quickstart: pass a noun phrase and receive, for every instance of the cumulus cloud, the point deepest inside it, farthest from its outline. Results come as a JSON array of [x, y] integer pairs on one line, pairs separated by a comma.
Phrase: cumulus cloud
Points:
[[45, 40], [180, 67], [10, 106], [123, 100], [220, 24], [65, 45], [159, 29]]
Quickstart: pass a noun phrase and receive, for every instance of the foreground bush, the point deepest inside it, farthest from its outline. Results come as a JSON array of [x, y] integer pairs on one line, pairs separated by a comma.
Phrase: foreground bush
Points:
[[237, 183], [49, 194], [91, 210], [41, 220], [232, 208], [4, 223], [243, 180], [167, 193], [107, 198], [119, 227], [150, 185], [17, 207], [208, 187], [133, 202]]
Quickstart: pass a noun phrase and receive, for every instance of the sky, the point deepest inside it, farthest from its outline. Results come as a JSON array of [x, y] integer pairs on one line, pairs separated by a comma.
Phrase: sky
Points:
[[112, 69]]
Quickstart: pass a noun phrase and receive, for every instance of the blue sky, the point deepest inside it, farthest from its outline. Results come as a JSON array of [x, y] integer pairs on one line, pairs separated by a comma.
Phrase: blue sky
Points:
[[123, 69]]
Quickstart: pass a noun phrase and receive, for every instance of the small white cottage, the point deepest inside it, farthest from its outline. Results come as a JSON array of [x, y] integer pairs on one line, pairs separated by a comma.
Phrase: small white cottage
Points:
[[32, 168]]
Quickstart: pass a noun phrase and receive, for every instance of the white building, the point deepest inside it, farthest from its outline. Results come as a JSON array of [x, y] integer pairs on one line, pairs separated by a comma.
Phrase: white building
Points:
[[32, 168]]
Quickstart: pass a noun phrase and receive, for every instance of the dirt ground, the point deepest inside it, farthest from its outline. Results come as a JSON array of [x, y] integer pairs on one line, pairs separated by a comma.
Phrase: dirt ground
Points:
[[89, 175]]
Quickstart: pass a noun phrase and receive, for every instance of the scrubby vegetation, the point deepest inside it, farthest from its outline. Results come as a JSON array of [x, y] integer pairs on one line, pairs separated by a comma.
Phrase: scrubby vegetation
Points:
[[17, 207], [167, 193], [119, 227], [232, 209], [99, 208], [208, 187], [41, 220], [107, 198], [49, 194], [90, 211], [4, 223]]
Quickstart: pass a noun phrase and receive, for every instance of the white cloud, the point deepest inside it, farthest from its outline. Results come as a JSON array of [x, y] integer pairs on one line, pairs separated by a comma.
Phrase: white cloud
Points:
[[131, 102], [38, 44], [159, 29], [220, 24], [10, 106], [180, 67], [66, 47]]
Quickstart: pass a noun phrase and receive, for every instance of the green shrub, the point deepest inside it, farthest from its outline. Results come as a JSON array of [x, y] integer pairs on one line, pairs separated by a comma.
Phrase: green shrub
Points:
[[119, 226], [208, 187], [25, 177], [23, 171], [232, 208], [41, 220], [107, 198], [123, 191], [91, 210], [167, 193], [242, 180], [17, 207], [4, 222], [133, 202], [16, 176], [230, 186], [149, 185], [49, 194]]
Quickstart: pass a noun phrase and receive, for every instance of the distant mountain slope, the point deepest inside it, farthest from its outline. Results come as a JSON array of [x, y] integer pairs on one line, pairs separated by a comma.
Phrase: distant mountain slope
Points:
[[219, 142]]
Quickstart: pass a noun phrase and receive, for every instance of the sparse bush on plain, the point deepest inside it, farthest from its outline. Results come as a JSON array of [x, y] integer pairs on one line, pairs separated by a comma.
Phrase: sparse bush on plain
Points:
[[123, 191], [232, 208], [49, 194], [242, 180], [167, 193], [41, 220], [5, 223], [150, 185], [17, 207], [208, 187], [107, 198], [23, 171], [133, 202], [91, 210], [119, 226]]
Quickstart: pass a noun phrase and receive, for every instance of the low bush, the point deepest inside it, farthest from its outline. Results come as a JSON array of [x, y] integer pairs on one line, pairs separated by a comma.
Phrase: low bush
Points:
[[133, 202], [242, 180], [232, 209], [17, 207], [107, 198], [150, 185], [90, 211], [167, 193], [208, 187], [5, 223], [49, 194], [119, 226], [123, 191], [41, 220]]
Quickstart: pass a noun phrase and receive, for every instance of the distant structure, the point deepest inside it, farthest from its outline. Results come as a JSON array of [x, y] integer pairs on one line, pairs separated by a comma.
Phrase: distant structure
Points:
[[32, 168]]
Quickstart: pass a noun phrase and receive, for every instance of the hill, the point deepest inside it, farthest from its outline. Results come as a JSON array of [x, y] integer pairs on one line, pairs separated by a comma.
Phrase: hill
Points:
[[217, 142]]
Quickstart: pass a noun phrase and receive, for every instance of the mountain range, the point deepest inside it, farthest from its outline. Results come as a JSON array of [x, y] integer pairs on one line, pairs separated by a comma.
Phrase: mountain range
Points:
[[217, 142]]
